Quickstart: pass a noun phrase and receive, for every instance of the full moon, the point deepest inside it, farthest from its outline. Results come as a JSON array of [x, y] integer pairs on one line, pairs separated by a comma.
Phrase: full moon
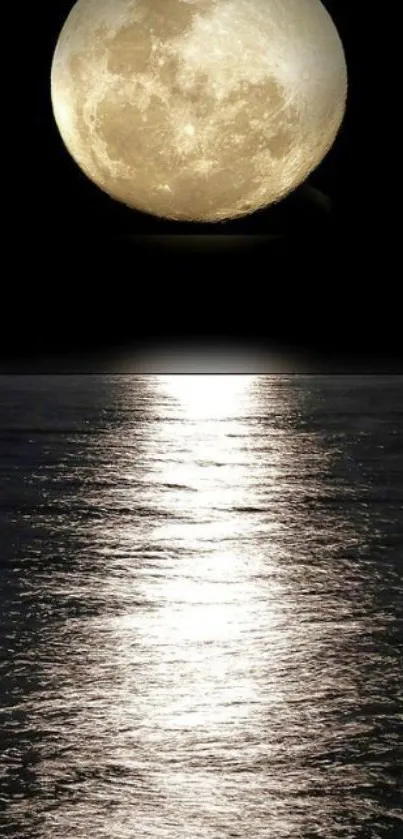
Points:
[[198, 110]]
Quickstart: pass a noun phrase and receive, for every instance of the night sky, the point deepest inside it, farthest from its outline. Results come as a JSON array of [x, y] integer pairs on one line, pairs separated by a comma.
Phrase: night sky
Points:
[[102, 281]]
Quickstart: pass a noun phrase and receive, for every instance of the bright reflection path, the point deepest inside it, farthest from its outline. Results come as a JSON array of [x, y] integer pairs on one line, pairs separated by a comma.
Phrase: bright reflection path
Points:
[[213, 628], [208, 396]]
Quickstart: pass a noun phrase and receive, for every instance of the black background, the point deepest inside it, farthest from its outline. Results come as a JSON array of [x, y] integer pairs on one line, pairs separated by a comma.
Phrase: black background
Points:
[[91, 279]]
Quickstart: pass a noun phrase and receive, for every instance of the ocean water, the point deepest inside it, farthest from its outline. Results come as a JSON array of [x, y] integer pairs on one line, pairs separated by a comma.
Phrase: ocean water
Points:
[[201, 607]]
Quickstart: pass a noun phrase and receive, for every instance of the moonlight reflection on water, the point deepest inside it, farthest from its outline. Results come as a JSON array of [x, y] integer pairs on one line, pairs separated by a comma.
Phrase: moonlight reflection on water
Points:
[[208, 396], [200, 613], [214, 624]]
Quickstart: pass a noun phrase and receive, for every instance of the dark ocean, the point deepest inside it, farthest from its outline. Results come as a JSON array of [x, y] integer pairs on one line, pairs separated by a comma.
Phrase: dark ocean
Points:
[[201, 607]]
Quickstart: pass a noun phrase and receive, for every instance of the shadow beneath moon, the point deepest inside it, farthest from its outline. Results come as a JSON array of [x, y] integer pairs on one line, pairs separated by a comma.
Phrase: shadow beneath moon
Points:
[[302, 215], [318, 199], [202, 243]]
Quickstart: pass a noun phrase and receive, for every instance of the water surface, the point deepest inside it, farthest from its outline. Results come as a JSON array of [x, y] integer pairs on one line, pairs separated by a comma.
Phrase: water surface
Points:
[[201, 607]]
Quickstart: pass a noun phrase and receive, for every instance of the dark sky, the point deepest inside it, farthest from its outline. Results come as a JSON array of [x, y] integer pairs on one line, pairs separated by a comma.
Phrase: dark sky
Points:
[[101, 281]]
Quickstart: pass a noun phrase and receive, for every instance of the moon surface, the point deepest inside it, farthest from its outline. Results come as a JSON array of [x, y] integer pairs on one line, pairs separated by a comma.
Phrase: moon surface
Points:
[[198, 110]]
